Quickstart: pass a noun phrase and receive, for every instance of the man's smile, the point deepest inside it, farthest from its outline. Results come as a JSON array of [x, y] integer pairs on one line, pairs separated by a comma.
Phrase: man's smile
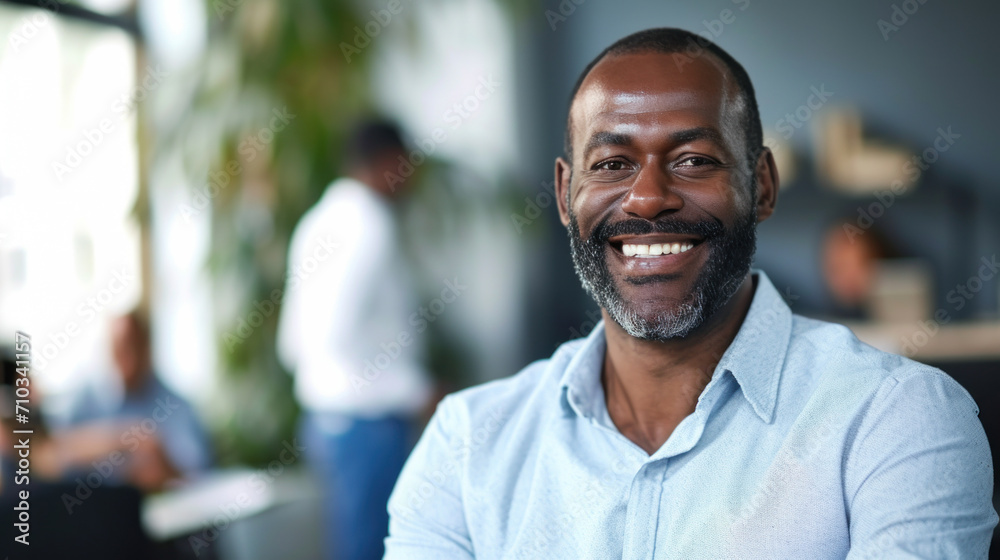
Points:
[[655, 250], [656, 253]]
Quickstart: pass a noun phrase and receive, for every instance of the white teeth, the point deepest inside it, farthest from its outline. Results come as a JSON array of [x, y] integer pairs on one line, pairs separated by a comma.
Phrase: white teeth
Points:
[[655, 249]]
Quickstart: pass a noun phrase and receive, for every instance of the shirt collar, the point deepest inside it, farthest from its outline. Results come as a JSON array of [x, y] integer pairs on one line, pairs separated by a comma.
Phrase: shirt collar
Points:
[[580, 385], [757, 354], [754, 358], [342, 184]]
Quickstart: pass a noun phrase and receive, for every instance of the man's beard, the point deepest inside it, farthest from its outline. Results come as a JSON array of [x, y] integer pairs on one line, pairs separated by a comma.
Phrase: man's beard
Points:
[[730, 255]]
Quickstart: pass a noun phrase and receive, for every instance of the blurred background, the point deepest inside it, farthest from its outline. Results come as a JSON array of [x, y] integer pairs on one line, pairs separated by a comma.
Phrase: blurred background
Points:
[[156, 156]]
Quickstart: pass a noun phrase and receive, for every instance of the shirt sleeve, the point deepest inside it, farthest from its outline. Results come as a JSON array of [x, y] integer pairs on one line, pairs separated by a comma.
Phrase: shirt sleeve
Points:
[[84, 406], [289, 317], [186, 442], [426, 510], [919, 477]]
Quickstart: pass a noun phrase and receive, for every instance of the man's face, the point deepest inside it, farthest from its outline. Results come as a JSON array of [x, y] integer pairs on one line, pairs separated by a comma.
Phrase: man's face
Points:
[[661, 213], [129, 350], [387, 165]]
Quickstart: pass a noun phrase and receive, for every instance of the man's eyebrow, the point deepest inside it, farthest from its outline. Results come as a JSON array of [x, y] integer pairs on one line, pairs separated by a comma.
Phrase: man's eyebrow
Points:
[[697, 133], [604, 138], [600, 139]]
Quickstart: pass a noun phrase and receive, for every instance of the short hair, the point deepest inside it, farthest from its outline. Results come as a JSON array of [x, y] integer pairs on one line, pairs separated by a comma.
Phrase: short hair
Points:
[[372, 139], [669, 40]]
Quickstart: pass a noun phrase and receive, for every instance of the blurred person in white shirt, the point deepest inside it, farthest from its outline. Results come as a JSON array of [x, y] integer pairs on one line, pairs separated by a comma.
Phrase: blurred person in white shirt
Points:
[[345, 335]]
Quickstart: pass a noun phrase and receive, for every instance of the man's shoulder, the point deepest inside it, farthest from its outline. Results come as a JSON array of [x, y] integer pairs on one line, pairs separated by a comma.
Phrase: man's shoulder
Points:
[[347, 211], [838, 360], [158, 400], [163, 392]]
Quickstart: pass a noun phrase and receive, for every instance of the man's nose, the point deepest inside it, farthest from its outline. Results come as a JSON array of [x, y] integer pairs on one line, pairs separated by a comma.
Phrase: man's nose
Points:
[[652, 194]]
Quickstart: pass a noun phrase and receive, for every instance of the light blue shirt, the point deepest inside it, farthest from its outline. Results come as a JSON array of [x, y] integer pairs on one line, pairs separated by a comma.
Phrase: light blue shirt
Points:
[[805, 444]]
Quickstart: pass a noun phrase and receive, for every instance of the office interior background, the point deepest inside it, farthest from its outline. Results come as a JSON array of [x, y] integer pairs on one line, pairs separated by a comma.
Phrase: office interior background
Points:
[[157, 154]]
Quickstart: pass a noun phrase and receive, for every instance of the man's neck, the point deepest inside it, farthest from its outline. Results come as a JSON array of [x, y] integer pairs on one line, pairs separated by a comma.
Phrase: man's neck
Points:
[[651, 386], [142, 382], [371, 180]]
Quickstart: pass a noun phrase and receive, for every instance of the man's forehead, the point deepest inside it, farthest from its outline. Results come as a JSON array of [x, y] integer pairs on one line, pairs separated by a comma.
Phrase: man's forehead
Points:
[[598, 101], [625, 87]]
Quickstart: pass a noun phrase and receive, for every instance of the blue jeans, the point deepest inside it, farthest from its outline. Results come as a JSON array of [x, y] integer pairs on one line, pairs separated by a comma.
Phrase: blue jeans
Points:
[[357, 462]]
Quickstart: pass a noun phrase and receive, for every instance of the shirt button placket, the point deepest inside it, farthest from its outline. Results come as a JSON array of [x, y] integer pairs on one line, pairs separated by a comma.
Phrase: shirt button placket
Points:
[[643, 511]]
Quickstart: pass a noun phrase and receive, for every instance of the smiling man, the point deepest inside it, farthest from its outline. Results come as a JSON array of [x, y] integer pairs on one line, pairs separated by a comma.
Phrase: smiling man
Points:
[[700, 418]]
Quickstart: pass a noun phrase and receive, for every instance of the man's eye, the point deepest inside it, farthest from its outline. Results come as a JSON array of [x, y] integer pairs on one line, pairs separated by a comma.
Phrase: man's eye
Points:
[[695, 161], [612, 165]]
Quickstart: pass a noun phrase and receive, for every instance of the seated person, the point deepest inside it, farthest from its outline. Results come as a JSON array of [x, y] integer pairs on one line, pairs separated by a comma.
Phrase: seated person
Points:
[[157, 431], [850, 265]]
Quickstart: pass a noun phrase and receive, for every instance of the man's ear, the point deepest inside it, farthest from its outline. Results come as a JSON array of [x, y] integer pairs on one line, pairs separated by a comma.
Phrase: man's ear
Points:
[[563, 172], [767, 185]]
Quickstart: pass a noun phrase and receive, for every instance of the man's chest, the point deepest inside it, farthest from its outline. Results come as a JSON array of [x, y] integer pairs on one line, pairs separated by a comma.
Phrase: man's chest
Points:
[[726, 498]]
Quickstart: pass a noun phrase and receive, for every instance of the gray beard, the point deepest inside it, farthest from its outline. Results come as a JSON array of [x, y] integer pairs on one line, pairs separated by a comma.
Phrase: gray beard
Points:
[[727, 265], [676, 323]]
